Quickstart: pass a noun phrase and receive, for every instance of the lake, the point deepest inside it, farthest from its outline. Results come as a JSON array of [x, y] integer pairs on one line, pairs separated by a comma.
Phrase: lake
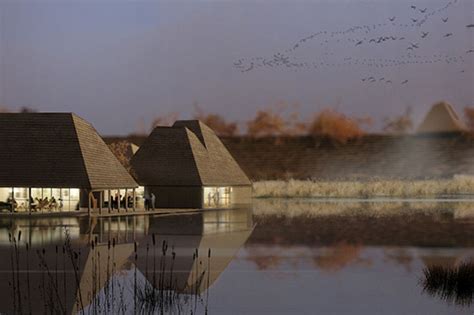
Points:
[[280, 257]]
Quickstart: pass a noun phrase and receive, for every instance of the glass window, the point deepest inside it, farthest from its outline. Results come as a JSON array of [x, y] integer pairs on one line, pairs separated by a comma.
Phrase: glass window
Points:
[[215, 197]]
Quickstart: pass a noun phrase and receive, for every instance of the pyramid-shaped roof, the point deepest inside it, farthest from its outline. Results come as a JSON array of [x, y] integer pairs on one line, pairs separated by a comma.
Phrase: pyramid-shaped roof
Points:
[[56, 150], [441, 118], [187, 154]]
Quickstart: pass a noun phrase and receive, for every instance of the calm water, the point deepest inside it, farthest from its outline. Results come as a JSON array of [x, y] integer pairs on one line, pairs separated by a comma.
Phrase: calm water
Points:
[[286, 257]]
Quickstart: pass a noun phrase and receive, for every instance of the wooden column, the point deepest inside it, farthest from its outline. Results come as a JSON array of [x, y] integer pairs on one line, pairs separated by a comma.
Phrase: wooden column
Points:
[[118, 200], [13, 199], [110, 200], [101, 194], [89, 203], [29, 200], [134, 194], [126, 200]]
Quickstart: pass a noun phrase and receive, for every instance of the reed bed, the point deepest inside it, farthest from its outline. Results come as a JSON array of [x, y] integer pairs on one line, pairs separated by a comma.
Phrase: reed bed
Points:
[[290, 208], [457, 186], [452, 284]]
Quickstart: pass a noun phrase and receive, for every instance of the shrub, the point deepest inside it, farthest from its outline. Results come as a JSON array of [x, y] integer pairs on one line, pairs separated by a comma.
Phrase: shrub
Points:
[[336, 125], [399, 124]]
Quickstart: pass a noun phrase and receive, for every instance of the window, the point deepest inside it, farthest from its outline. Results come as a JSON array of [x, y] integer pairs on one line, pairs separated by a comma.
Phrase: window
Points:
[[215, 197]]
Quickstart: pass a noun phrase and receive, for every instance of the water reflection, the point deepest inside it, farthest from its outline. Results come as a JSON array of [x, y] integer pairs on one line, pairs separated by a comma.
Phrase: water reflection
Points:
[[116, 265], [366, 246]]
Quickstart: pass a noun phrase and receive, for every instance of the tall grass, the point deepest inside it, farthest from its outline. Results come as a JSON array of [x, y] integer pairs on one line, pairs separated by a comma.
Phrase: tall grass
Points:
[[452, 284], [459, 185]]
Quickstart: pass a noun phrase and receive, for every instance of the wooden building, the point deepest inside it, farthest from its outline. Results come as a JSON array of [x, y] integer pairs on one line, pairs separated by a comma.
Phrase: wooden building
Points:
[[187, 166], [58, 162]]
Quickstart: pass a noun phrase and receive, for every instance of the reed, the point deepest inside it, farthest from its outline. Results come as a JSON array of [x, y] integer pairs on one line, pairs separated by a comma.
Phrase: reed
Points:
[[457, 186], [452, 284]]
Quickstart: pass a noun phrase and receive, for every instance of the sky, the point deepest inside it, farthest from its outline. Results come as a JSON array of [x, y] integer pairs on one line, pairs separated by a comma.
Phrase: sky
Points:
[[118, 64]]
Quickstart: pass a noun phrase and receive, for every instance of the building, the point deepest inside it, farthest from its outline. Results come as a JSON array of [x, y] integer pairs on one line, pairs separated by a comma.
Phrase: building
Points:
[[442, 118], [57, 162], [187, 166]]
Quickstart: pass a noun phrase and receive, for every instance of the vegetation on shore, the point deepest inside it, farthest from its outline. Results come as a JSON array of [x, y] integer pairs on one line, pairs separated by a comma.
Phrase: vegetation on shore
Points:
[[458, 185]]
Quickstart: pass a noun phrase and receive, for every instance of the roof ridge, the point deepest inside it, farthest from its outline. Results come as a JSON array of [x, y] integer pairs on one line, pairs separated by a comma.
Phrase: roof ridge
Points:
[[83, 159], [190, 133]]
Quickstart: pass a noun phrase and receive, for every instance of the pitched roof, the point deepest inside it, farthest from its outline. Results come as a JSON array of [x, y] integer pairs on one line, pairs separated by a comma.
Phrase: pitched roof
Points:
[[187, 154], [441, 118], [56, 150]]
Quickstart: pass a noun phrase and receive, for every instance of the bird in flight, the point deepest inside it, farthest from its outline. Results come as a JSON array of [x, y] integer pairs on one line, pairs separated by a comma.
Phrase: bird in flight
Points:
[[470, 26], [470, 51], [423, 10], [414, 20], [448, 35], [444, 20], [405, 82], [392, 19], [413, 7], [415, 46], [423, 34], [359, 43]]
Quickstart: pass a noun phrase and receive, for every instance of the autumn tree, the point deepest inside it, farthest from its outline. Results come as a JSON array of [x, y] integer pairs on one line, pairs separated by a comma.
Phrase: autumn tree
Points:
[[216, 122], [469, 114], [399, 124], [266, 123], [337, 126], [164, 120], [280, 120]]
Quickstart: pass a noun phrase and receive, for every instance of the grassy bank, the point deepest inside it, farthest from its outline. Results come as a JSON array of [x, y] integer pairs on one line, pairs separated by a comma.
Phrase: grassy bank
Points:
[[458, 185]]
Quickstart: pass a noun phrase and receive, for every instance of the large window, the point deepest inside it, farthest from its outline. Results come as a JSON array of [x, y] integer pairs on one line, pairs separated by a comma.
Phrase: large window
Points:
[[41, 199], [215, 197]]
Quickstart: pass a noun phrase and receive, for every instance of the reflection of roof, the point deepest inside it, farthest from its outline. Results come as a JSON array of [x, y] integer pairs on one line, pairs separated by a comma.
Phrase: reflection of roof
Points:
[[190, 274], [186, 154], [224, 232], [94, 274], [441, 118], [91, 276], [56, 150]]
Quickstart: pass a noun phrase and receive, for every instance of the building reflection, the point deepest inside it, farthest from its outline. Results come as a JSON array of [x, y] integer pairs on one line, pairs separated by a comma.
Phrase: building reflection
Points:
[[48, 270]]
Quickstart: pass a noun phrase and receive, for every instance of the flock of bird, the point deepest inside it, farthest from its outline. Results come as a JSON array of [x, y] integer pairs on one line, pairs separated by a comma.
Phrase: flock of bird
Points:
[[407, 36]]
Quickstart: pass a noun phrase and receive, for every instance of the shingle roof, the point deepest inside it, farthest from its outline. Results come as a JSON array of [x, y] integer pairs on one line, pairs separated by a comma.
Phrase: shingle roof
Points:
[[56, 150], [186, 154]]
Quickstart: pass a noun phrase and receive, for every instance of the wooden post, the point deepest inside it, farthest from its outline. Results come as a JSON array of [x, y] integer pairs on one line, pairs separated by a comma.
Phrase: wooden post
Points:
[[29, 199], [13, 199], [110, 200], [89, 203], [118, 200], [134, 200], [126, 200], [100, 201]]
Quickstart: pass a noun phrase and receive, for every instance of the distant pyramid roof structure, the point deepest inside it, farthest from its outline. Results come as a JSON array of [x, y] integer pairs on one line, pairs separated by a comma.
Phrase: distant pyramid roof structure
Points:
[[56, 150], [441, 118], [187, 154]]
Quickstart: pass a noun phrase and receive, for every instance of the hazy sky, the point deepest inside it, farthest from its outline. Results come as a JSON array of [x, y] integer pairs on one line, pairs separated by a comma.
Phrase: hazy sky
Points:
[[117, 63]]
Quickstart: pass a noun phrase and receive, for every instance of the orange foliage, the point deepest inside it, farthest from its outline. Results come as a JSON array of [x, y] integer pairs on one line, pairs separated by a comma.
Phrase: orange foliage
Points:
[[336, 126], [266, 123], [469, 113], [123, 152], [216, 122], [275, 122], [399, 124], [165, 120]]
